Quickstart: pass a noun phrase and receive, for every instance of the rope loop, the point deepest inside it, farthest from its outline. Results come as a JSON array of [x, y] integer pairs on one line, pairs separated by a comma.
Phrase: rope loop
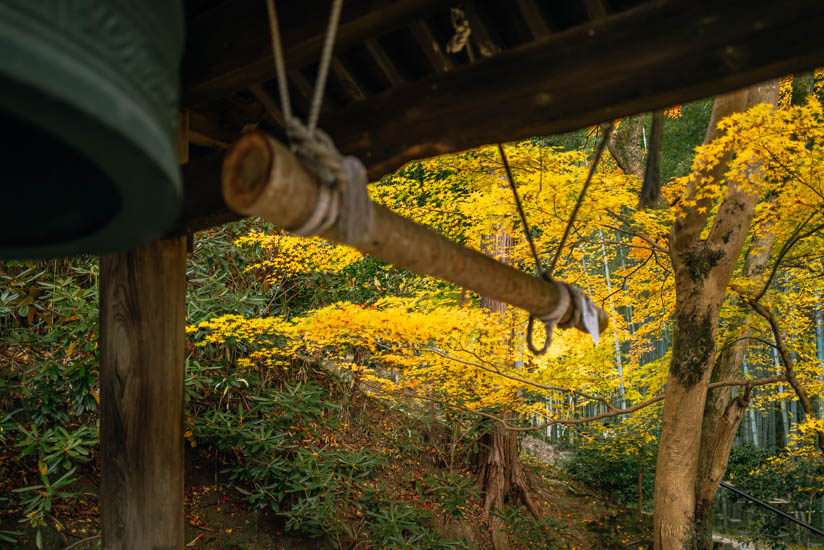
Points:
[[529, 344], [570, 298], [551, 319], [343, 177], [316, 151]]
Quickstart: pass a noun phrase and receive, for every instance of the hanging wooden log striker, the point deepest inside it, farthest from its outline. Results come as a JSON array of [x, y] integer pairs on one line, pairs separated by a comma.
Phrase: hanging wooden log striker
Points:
[[263, 178]]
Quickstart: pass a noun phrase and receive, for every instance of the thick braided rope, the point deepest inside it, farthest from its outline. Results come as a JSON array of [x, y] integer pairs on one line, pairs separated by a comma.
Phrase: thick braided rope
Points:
[[277, 54], [323, 67]]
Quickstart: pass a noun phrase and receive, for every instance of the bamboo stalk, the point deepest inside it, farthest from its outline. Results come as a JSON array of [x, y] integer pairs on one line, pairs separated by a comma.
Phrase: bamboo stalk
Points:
[[263, 178]]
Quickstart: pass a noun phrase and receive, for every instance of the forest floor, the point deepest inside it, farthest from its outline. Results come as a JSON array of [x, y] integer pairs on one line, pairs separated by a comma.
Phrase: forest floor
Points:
[[218, 519]]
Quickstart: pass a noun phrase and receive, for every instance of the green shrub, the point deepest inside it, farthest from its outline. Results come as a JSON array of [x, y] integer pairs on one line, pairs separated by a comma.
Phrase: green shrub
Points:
[[523, 528], [453, 492], [613, 467]]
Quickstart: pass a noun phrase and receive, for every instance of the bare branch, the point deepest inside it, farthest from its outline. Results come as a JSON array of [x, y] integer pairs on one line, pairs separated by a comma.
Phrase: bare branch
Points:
[[574, 421], [633, 232], [498, 372], [786, 358], [794, 239]]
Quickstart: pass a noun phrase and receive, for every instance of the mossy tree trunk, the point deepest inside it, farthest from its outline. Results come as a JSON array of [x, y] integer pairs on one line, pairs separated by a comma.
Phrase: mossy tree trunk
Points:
[[723, 415], [702, 270]]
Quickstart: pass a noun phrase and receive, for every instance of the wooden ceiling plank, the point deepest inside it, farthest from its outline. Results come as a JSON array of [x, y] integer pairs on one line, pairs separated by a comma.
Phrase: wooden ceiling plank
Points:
[[600, 71], [228, 48], [384, 63]]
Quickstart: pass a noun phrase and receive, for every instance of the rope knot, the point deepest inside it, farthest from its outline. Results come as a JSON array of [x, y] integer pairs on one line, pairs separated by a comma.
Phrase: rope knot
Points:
[[343, 195], [316, 150], [462, 31]]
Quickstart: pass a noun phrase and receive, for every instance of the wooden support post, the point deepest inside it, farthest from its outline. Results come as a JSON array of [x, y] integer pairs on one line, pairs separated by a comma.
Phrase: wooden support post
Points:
[[142, 342]]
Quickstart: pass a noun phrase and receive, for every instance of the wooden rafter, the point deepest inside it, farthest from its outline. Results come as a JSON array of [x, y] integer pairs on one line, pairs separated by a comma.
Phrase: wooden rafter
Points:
[[384, 63], [430, 47], [595, 9], [303, 89], [534, 18], [268, 102], [203, 132], [486, 45], [228, 48], [353, 88]]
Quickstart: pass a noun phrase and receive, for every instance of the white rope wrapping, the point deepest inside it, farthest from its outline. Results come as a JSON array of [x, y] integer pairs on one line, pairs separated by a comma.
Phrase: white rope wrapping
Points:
[[554, 317], [569, 297], [583, 310], [323, 216]]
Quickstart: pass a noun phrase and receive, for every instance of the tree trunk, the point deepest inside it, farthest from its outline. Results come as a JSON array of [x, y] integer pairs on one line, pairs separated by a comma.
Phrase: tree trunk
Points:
[[500, 472], [703, 268], [619, 363], [625, 145], [503, 479], [819, 342], [720, 423], [719, 450]]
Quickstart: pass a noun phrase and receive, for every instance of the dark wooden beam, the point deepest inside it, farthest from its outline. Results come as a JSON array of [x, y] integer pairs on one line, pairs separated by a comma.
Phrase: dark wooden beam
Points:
[[228, 48], [302, 91], [142, 344], [204, 132], [600, 71], [604, 70], [183, 137], [534, 18], [203, 205], [384, 63], [430, 47]]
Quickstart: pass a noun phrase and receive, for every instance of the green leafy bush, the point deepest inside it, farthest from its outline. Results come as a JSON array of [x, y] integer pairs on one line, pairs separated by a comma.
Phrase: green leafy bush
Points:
[[524, 529], [614, 466], [453, 492], [48, 311]]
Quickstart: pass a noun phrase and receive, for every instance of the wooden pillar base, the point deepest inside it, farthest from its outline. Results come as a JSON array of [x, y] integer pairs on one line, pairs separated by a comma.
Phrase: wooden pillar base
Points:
[[142, 342]]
